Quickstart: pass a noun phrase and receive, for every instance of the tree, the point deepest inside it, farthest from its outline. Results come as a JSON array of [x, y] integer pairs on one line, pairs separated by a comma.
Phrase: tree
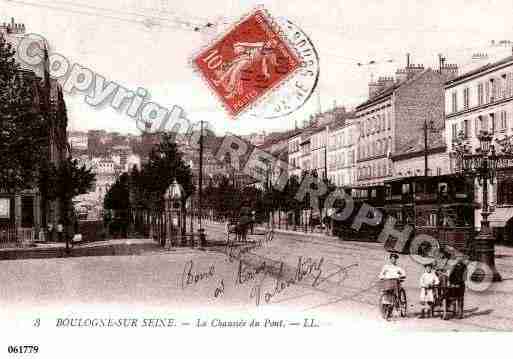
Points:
[[69, 180], [166, 164], [145, 188], [65, 182], [290, 202], [117, 198], [22, 127]]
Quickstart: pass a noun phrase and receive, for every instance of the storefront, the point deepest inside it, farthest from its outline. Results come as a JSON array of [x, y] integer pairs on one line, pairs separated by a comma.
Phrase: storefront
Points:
[[502, 215]]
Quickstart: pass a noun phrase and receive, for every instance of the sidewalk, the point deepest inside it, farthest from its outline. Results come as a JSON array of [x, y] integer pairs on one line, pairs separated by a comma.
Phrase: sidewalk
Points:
[[299, 233], [99, 248]]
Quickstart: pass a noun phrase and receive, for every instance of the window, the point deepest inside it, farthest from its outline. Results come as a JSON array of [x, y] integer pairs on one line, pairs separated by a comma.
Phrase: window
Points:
[[466, 129], [454, 102], [510, 85], [454, 132], [466, 97], [480, 94], [432, 220], [504, 121], [477, 125], [503, 86], [487, 92], [494, 122], [493, 87], [484, 123]]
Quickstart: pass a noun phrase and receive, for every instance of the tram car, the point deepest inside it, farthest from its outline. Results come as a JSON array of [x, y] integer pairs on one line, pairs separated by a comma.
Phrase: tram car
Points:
[[439, 206], [374, 196]]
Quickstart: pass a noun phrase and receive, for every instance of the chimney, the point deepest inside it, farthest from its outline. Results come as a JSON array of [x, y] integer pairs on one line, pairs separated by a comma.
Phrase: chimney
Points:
[[12, 28], [450, 71], [386, 82], [412, 70], [374, 88]]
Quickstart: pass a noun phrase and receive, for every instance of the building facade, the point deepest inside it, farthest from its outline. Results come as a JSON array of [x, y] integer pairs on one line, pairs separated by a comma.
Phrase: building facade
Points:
[[482, 100], [391, 121], [294, 154], [319, 151], [25, 215], [306, 154], [342, 153]]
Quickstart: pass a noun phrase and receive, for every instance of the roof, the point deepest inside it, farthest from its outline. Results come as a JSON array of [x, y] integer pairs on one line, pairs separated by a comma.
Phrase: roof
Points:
[[340, 124], [381, 95], [478, 70], [276, 137], [388, 91]]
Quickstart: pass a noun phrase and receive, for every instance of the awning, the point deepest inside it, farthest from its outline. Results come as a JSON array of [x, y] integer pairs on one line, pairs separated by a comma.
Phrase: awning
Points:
[[500, 216]]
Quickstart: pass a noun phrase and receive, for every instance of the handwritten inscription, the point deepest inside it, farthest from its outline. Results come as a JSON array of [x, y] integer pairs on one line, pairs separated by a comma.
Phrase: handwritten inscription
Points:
[[246, 273], [305, 268], [191, 277], [254, 272]]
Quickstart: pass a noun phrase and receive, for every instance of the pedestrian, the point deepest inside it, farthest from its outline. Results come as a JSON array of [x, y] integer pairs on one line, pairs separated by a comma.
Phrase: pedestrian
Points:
[[428, 281], [253, 220]]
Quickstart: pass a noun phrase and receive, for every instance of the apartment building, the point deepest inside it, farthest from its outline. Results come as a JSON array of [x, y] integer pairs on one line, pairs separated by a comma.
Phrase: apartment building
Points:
[[342, 153], [482, 100], [392, 119]]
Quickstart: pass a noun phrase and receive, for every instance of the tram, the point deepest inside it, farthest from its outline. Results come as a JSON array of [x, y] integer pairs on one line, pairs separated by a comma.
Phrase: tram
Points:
[[373, 196], [439, 206]]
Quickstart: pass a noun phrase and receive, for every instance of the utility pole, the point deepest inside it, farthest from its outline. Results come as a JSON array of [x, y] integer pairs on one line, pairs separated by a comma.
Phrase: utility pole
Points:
[[426, 128], [46, 114], [425, 148], [325, 162], [201, 230]]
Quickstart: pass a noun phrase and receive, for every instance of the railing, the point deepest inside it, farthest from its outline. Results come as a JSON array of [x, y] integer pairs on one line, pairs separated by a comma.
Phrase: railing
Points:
[[26, 236], [12, 237], [8, 235]]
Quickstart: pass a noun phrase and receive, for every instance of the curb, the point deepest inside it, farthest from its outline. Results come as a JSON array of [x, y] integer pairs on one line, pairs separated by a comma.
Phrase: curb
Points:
[[304, 234], [60, 252]]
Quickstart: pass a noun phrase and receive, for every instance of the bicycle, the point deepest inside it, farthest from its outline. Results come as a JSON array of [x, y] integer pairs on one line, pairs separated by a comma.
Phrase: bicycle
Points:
[[391, 288]]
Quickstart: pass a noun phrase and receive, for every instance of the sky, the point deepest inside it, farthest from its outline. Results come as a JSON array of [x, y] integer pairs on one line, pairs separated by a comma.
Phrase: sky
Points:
[[148, 43]]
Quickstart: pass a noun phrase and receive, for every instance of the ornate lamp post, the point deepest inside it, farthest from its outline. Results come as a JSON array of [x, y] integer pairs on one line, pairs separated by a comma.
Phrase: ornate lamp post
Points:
[[482, 164], [173, 198]]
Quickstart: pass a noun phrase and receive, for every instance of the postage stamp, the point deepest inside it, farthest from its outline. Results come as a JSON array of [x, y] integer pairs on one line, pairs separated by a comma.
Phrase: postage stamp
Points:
[[248, 62], [298, 89]]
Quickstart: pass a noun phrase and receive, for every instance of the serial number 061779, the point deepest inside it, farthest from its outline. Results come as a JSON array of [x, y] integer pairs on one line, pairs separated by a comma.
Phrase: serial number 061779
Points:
[[23, 349]]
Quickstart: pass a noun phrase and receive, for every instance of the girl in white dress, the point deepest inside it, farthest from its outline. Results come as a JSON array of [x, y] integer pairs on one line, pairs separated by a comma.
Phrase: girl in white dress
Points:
[[428, 280]]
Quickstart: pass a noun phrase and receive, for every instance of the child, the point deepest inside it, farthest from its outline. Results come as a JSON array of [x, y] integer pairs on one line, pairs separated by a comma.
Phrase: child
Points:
[[427, 292]]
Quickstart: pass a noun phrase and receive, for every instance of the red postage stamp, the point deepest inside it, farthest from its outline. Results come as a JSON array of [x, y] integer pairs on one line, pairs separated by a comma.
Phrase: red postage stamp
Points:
[[247, 62]]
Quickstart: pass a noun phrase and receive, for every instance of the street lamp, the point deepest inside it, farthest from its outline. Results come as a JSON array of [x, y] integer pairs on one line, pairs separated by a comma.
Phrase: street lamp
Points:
[[482, 164], [173, 197]]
